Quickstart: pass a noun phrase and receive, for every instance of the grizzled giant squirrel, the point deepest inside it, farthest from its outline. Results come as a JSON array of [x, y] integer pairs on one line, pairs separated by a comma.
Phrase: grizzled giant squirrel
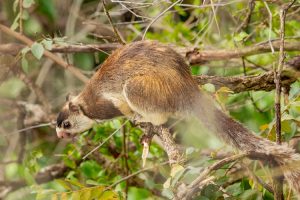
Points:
[[150, 82]]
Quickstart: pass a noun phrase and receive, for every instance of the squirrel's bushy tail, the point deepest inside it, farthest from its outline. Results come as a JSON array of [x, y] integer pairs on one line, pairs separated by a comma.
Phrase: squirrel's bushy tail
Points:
[[235, 134]]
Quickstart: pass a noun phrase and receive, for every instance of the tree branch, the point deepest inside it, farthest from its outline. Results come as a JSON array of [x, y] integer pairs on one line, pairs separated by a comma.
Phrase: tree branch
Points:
[[15, 48], [197, 56], [117, 34], [175, 154], [190, 190], [278, 180], [237, 84]]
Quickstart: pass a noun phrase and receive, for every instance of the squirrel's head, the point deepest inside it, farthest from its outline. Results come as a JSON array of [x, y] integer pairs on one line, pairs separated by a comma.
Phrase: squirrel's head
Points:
[[71, 120]]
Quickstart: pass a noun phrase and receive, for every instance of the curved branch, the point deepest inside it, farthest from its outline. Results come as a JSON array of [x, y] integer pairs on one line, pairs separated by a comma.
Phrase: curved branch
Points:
[[197, 56], [264, 81]]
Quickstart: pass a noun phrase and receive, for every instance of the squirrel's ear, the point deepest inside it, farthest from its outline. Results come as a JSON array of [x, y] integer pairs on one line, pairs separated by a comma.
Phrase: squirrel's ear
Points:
[[73, 107], [69, 97]]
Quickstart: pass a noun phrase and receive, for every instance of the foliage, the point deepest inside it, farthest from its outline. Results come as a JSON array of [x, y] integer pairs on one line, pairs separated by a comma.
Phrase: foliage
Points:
[[190, 24]]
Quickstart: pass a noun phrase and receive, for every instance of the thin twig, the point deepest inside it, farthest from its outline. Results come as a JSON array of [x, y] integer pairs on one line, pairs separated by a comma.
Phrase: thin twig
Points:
[[22, 137], [258, 179], [158, 16], [247, 19], [250, 96], [125, 156], [270, 25], [117, 34], [197, 56], [136, 173], [278, 180], [29, 128], [215, 15], [194, 56], [21, 16], [193, 187], [101, 144]]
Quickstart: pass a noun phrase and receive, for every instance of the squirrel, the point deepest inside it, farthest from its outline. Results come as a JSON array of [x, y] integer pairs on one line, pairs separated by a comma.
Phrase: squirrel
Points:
[[150, 82]]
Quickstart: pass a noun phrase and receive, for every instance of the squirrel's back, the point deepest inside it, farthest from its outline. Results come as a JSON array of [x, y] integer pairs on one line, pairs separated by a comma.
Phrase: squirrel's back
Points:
[[140, 58]]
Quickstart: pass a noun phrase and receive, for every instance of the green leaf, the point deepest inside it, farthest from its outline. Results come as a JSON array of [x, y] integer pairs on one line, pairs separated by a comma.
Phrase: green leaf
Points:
[[15, 24], [239, 37], [64, 196], [167, 183], [234, 189], [54, 197], [47, 44], [189, 150], [76, 195], [92, 182], [167, 193], [177, 177], [37, 50], [209, 87], [28, 3], [85, 194], [15, 5], [90, 169], [25, 50], [75, 183], [24, 64], [176, 169], [47, 8], [64, 184], [134, 193], [96, 192]]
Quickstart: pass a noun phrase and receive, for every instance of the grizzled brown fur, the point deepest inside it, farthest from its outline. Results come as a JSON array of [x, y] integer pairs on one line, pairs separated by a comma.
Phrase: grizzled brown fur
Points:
[[150, 82]]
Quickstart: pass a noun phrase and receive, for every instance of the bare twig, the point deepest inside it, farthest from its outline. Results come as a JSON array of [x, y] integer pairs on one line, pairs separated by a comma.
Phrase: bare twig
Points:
[[125, 156], [136, 173], [270, 25], [101, 144], [201, 56], [21, 16], [191, 189], [117, 34], [258, 179], [22, 137], [158, 16], [214, 11], [264, 81], [278, 180], [195, 56], [247, 19], [15, 48]]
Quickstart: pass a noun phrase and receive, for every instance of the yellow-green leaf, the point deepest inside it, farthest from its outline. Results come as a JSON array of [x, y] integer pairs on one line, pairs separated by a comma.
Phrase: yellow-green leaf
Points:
[[167, 184], [64, 184], [54, 197], [64, 196], [76, 195], [85, 194], [175, 169], [37, 50]]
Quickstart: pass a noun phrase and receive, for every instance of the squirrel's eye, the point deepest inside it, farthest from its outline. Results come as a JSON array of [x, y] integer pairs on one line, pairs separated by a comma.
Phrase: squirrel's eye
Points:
[[66, 124]]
